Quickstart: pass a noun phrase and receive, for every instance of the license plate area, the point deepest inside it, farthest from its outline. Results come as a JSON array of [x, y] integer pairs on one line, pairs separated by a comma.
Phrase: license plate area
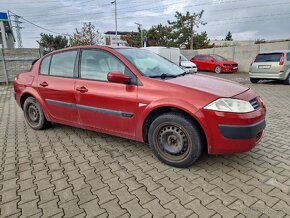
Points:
[[264, 66]]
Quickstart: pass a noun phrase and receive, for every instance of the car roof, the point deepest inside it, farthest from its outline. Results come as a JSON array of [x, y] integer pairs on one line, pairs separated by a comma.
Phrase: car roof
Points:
[[277, 51]]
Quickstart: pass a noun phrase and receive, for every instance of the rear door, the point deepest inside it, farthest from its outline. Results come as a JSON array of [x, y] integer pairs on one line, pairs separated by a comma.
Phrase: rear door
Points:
[[267, 63], [102, 105], [56, 85]]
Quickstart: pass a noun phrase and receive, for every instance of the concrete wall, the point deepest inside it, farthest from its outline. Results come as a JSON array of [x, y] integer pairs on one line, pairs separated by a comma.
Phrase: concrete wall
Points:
[[16, 61], [244, 55]]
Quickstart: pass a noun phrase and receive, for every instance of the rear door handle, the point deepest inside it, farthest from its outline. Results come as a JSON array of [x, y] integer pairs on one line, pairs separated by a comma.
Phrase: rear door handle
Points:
[[43, 84], [82, 89]]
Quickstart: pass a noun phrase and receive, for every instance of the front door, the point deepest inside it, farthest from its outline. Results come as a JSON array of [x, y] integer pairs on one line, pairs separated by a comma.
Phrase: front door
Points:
[[102, 105], [56, 86]]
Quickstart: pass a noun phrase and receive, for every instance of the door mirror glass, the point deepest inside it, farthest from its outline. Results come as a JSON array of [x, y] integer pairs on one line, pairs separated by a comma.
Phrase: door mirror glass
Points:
[[118, 77]]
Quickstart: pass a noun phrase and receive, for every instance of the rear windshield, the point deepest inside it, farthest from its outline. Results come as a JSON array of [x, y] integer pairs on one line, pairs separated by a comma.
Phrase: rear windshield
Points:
[[271, 57]]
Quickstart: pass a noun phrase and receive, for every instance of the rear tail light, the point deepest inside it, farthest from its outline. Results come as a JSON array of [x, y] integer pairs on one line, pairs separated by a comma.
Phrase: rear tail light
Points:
[[282, 59]]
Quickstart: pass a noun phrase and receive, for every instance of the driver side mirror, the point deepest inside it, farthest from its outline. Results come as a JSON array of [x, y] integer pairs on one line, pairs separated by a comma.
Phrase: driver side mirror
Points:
[[118, 77]]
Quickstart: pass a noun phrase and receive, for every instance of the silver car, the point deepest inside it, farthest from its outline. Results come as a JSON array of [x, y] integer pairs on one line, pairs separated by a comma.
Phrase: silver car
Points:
[[271, 65]]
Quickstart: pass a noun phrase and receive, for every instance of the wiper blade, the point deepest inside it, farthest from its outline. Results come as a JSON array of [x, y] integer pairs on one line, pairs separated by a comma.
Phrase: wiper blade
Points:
[[183, 74], [163, 76]]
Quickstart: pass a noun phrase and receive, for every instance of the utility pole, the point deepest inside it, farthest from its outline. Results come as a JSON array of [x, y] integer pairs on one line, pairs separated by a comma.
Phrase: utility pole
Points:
[[116, 23], [18, 28], [141, 30]]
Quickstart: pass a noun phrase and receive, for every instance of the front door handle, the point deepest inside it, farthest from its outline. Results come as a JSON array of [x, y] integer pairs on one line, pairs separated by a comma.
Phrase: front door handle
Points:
[[82, 89], [43, 84]]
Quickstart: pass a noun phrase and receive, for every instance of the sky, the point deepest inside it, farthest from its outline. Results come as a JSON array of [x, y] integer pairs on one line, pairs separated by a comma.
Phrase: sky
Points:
[[246, 19]]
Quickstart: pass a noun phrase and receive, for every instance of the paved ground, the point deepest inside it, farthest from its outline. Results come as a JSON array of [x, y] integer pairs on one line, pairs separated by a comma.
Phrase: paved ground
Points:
[[70, 172]]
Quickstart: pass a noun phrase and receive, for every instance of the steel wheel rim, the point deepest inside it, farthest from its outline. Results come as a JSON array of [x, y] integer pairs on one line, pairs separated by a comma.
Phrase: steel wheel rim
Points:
[[172, 142], [33, 114], [218, 69]]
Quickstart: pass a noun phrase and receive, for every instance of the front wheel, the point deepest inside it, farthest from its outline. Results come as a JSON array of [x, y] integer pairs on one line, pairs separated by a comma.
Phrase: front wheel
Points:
[[34, 115], [218, 69], [175, 140]]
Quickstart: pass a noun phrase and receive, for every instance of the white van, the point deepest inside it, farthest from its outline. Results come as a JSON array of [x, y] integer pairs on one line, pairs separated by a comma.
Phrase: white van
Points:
[[174, 55]]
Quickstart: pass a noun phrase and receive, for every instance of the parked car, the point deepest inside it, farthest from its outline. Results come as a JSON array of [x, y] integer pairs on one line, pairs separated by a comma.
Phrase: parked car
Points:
[[215, 63], [174, 55], [271, 65], [187, 65], [136, 94]]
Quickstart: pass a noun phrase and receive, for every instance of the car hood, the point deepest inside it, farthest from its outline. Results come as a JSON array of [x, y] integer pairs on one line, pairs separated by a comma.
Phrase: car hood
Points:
[[187, 64], [215, 86]]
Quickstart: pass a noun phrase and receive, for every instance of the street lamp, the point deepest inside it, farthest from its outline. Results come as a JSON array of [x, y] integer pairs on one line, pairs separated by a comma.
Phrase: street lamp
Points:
[[141, 29], [116, 24]]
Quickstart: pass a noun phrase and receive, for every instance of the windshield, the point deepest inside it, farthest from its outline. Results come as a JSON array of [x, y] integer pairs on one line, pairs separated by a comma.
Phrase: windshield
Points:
[[219, 58], [150, 64], [183, 58]]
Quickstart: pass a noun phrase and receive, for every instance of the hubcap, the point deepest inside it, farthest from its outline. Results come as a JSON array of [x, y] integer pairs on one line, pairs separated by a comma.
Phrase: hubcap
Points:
[[172, 140]]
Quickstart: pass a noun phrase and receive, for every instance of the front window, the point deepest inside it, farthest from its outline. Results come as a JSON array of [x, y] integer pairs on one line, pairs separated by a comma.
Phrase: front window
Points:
[[183, 58], [150, 64], [219, 58]]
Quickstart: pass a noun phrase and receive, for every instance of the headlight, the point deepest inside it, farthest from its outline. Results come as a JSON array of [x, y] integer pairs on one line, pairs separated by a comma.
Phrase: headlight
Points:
[[230, 105]]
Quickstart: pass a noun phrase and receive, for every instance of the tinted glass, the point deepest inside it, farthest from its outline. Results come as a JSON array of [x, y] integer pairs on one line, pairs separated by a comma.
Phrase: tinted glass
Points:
[[271, 57], [44, 68], [208, 58], [201, 57], [219, 58], [149, 63], [62, 64], [97, 64], [288, 56], [195, 58]]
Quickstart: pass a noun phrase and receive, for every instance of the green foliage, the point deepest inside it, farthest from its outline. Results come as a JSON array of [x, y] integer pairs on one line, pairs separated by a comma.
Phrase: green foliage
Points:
[[229, 37], [201, 40], [50, 42], [88, 35], [178, 33]]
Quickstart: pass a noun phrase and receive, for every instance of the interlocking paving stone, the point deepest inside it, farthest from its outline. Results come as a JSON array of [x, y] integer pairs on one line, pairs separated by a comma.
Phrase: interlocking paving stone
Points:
[[65, 171]]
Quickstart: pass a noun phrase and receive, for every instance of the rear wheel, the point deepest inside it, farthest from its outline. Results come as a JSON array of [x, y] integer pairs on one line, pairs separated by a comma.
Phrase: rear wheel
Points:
[[218, 69], [287, 80], [254, 80], [175, 140], [34, 115]]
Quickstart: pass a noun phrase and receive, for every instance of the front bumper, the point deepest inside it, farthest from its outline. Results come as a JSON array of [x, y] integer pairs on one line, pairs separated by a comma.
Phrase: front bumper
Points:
[[242, 131], [232, 132]]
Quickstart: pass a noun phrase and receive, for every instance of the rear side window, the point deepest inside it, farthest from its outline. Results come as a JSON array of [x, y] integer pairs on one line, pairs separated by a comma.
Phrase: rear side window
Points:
[[62, 64], [44, 68], [195, 57], [288, 56], [201, 57], [271, 57]]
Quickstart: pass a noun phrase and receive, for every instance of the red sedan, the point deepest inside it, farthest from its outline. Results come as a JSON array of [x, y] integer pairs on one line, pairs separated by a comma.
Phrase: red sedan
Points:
[[215, 63], [139, 95]]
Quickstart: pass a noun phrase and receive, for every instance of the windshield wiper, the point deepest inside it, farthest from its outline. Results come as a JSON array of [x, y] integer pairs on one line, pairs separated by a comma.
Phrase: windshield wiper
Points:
[[163, 76], [183, 74]]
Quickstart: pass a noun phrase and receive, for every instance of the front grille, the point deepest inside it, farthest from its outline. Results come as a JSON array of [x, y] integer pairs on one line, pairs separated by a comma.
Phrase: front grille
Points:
[[255, 103], [234, 65]]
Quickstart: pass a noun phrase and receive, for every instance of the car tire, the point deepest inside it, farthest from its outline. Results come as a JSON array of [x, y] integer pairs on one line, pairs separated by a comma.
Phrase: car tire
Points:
[[33, 114], [218, 69], [176, 140], [254, 80], [287, 80]]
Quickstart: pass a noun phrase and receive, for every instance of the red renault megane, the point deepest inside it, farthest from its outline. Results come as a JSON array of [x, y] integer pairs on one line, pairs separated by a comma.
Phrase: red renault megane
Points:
[[139, 95]]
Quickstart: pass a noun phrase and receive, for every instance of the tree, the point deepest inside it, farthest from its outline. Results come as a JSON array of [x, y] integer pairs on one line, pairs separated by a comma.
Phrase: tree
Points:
[[183, 28], [88, 35], [201, 40], [159, 35], [50, 42], [229, 37]]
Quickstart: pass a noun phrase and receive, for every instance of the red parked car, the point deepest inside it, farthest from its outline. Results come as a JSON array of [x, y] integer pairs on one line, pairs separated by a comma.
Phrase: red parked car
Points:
[[215, 63], [136, 94]]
